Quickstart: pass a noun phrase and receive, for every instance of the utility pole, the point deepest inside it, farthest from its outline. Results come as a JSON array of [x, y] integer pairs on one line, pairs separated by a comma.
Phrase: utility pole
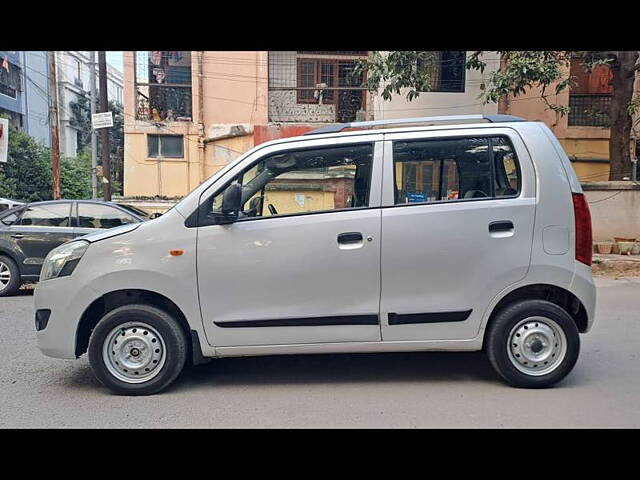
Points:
[[94, 138], [104, 132], [55, 138]]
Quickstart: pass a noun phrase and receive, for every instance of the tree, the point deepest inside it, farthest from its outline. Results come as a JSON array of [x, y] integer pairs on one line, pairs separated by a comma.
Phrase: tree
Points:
[[27, 173], [520, 72]]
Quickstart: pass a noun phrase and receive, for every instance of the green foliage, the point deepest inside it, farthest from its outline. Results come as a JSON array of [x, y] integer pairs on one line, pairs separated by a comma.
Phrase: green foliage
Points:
[[75, 176], [27, 173], [81, 119], [398, 70], [525, 69]]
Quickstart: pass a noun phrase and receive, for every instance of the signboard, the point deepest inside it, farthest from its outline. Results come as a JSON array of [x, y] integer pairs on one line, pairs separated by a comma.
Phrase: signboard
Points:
[[4, 139], [101, 120]]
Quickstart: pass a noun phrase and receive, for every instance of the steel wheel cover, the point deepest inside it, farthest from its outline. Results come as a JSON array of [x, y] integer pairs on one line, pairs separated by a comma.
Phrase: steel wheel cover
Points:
[[537, 346], [134, 352]]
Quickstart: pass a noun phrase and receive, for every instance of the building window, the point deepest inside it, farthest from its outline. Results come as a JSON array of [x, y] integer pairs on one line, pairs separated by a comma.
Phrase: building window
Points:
[[163, 86], [165, 146], [78, 71], [306, 86], [590, 96], [10, 84], [446, 72]]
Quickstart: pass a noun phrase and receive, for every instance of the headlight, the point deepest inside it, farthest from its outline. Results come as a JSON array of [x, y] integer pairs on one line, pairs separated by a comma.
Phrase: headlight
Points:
[[62, 260]]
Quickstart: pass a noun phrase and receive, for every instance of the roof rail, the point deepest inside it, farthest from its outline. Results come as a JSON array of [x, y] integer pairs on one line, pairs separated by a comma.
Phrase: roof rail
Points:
[[405, 121]]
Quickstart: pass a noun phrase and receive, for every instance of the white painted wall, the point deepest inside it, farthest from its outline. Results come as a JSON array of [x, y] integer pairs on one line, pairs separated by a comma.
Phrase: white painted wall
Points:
[[441, 103], [69, 91]]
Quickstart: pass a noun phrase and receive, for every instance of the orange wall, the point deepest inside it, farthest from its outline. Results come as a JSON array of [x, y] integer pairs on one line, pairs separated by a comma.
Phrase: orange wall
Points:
[[235, 87]]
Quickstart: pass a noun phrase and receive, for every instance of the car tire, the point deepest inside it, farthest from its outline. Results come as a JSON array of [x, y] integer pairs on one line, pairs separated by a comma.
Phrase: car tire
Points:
[[532, 344], [9, 268], [137, 350]]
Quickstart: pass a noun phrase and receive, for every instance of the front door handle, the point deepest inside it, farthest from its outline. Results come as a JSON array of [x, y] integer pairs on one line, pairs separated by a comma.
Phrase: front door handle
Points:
[[17, 235], [350, 237]]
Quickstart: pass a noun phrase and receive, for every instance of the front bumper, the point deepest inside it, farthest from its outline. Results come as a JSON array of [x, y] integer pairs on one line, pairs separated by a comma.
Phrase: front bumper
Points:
[[67, 302]]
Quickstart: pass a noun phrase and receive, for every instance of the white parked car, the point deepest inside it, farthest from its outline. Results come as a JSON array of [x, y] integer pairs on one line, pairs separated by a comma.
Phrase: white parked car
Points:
[[447, 233]]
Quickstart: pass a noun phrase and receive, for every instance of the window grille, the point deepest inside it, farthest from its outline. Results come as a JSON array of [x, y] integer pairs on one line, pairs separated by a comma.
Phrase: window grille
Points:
[[315, 86], [163, 85]]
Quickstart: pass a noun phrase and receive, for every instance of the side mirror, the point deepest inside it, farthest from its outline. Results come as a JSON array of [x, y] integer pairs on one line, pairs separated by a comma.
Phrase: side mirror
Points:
[[231, 200], [155, 215]]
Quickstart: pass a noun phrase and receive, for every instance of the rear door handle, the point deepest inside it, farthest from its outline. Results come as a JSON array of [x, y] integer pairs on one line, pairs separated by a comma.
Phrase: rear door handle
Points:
[[501, 229], [349, 237], [17, 235]]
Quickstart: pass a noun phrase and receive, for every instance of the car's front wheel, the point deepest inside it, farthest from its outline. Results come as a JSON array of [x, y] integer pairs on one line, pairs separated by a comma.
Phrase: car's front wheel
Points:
[[533, 343], [137, 350]]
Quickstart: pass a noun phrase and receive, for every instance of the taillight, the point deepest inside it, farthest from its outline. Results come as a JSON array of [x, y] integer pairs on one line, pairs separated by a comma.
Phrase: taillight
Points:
[[584, 245]]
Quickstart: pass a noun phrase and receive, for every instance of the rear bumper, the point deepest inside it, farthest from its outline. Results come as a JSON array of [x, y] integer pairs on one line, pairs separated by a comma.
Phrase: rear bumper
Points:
[[67, 303], [583, 287]]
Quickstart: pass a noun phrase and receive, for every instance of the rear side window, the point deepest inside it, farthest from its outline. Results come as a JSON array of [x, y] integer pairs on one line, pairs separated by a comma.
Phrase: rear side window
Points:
[[452, 169], [102, 216], [53, 215], [507, 169]]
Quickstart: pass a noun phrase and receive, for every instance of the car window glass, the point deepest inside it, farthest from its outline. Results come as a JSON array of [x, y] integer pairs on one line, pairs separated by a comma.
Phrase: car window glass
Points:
[[442, 169], [9, 219], [304, 181], [506, 167], [49, 215], [91, 215]]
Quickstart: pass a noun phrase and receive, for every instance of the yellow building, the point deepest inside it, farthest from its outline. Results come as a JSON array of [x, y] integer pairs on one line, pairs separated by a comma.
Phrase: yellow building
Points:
[[190, 113]]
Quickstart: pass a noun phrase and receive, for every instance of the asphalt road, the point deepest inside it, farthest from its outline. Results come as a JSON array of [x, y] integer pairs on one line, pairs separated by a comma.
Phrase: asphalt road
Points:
[[382, 390]]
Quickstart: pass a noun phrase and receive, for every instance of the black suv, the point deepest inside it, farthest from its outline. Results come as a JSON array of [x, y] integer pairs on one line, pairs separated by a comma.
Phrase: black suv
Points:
[[29, 232]]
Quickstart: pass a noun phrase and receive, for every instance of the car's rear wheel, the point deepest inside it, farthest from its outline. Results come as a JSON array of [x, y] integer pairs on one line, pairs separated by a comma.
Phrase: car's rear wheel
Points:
[[533, 343], [9, 276], [137, 350]]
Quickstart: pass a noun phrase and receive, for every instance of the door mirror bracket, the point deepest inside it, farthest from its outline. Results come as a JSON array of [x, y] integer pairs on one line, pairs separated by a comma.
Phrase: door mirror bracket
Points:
[[231, 202]]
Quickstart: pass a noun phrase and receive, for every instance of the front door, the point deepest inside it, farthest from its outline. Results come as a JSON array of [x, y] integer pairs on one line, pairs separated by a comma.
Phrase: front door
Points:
[[302, 262], [457, 231]]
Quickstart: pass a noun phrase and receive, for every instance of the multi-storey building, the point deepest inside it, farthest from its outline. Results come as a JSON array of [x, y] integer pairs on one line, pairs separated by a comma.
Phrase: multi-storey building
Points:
[[24, 92]]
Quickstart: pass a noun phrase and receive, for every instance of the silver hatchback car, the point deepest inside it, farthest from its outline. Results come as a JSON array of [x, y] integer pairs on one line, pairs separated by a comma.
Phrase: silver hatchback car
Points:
[[446, 233]]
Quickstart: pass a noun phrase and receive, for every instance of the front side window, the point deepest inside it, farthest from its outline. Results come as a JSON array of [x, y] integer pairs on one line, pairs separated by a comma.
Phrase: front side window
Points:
[[102, 216], [54, 215], [305, 181], [165, 146], [441, 170]]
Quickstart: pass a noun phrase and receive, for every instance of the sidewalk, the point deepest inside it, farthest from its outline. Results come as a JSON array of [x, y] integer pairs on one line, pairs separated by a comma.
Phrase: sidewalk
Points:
[[616, 266]]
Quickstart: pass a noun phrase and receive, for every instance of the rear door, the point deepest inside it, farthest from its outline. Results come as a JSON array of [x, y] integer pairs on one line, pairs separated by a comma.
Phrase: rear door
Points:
[[40, 229], [457, 229]]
